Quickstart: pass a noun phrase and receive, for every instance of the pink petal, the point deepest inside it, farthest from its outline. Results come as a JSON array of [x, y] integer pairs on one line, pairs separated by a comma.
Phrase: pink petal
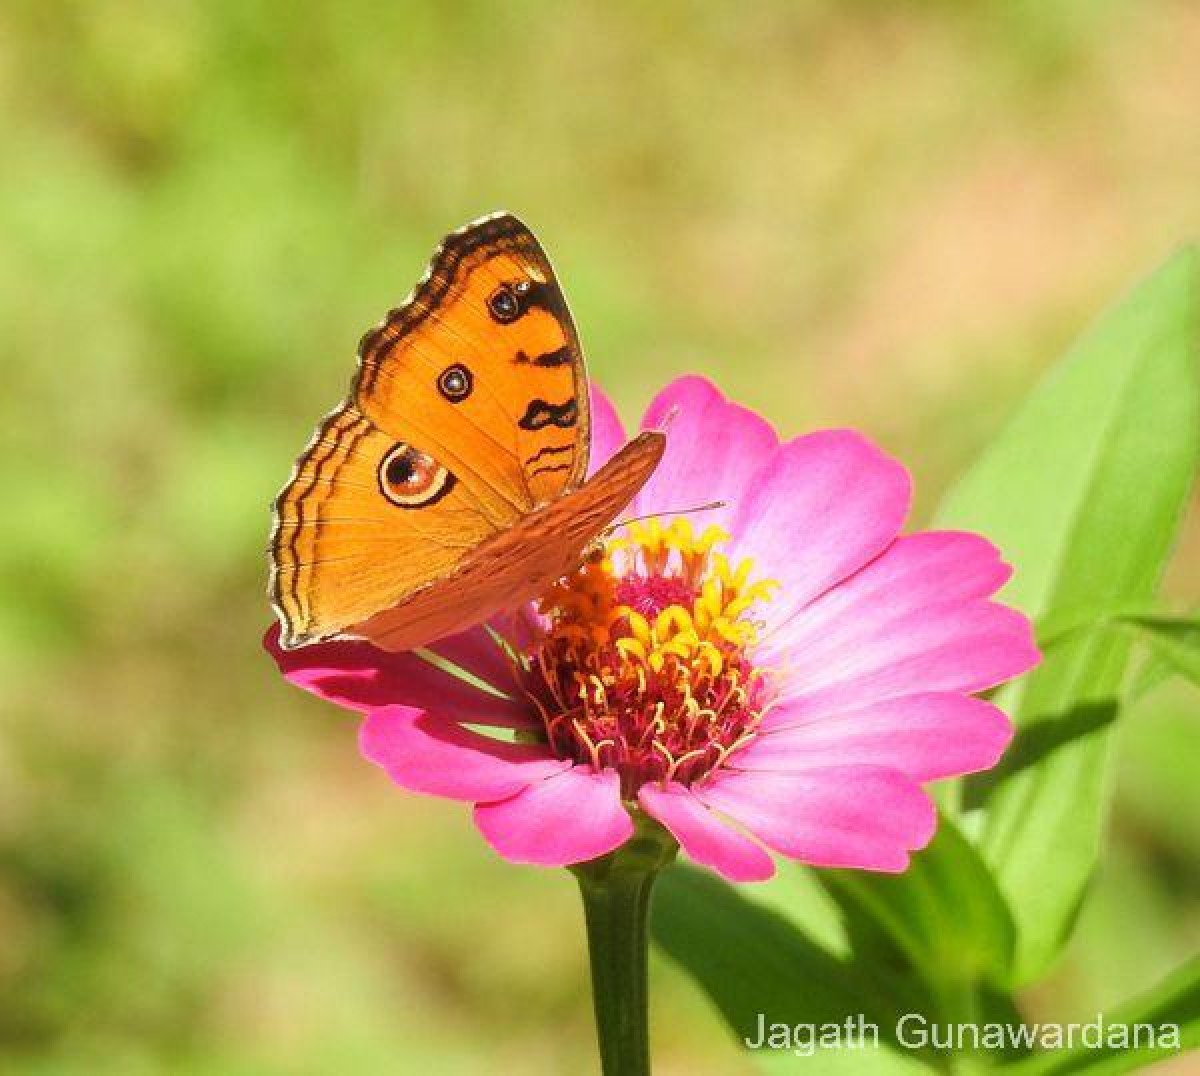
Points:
[[608, 432], [848, 816], [477, 652], [356, 675], [570, 817], [933, 567], [703, 836], [952, 647], [817, 511], [428, 754], [926, 737], [713, 447]]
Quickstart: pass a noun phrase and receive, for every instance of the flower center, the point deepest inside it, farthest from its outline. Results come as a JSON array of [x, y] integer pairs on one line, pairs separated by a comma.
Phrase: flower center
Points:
[[643, 661]]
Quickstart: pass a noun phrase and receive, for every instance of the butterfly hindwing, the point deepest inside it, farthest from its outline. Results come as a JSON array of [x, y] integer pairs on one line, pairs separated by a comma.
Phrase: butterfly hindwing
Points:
[[342, 548]]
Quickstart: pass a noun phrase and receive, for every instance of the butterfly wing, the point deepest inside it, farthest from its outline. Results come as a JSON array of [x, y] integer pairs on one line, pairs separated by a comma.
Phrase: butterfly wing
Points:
[[468, 414], [521, 562], [346, 543], [481, 368]]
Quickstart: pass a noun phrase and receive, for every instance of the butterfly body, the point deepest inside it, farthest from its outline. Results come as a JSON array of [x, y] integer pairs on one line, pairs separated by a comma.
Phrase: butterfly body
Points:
[[450, 484]]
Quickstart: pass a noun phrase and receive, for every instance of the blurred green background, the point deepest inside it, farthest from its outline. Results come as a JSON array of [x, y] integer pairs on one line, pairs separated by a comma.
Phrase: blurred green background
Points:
[[892, 216]]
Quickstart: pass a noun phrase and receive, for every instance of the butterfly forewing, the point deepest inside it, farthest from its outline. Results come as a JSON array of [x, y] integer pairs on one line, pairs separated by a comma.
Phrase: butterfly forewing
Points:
[[482, 368]]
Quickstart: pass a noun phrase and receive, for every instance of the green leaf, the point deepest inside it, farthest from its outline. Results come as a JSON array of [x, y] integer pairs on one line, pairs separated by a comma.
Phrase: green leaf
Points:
[[1083, 492], [1175, 1001], [1175, 642], [755, 964], [945, 914]]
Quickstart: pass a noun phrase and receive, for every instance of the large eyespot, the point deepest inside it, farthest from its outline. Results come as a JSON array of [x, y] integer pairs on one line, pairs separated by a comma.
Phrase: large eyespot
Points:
[[507, 302], [456, 382], [411, 479]]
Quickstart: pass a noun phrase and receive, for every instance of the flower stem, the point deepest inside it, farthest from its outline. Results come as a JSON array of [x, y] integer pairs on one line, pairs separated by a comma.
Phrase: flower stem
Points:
[[616, 891]]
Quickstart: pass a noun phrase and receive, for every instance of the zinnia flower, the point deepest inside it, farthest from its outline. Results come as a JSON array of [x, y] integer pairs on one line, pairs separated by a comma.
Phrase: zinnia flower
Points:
[[779, 674]]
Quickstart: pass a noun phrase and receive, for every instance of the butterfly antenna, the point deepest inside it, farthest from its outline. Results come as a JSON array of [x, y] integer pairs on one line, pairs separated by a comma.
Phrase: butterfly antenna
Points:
[[712, 505]]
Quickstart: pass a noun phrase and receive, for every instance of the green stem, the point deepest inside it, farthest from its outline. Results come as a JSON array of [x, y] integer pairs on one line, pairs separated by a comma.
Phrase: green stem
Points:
[[959, 1003], [616, 891]]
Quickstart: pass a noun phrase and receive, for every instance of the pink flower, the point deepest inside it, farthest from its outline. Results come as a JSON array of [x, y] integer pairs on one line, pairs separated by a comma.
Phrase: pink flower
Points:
[[780, 674]]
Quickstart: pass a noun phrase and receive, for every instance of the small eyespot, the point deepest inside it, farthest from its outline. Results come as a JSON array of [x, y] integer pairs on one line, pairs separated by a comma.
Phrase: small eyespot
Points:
[[409, 478], [505, 303], [456, 383]]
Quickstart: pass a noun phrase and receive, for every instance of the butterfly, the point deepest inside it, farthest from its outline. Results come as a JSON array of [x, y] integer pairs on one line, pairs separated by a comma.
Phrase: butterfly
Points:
[[450, 484]]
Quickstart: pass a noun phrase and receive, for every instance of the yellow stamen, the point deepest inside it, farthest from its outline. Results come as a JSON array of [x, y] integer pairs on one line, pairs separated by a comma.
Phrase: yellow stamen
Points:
[[652, 664]]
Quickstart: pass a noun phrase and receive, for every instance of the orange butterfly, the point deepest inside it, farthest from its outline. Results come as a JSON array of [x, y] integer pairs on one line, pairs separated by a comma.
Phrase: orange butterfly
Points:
[[450, 484]]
